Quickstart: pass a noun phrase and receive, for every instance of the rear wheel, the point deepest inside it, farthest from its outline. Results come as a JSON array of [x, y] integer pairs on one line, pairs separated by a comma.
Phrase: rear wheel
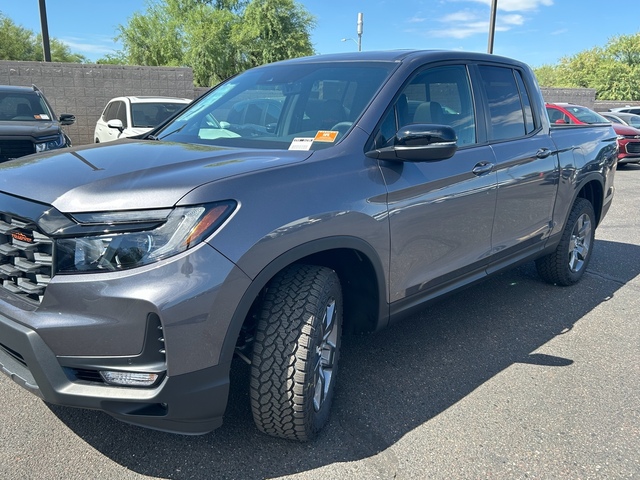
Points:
[[566, 265], [296, 351]]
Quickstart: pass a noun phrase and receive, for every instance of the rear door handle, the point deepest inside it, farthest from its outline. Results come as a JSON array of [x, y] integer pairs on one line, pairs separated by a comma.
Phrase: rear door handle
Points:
[[482, 167]]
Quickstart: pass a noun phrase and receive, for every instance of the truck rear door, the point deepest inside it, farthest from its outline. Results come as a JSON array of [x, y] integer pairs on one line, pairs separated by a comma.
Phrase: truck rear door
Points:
[[526, 163]]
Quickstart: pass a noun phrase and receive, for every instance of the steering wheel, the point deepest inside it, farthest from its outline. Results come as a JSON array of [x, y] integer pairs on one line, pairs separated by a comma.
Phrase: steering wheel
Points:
[[342, 127]]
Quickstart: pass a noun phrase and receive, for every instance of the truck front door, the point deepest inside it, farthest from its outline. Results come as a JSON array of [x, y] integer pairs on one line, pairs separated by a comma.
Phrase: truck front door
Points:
[[440, 212]]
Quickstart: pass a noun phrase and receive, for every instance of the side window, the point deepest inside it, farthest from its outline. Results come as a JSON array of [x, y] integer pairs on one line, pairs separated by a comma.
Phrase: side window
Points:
[[557, 116], [273, 113], [122, 114], [505, 106], [111, 111], [439, 95]]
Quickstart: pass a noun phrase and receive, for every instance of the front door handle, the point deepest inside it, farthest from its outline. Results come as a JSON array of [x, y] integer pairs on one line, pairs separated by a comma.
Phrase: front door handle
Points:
[[482, 167], [543, 153]]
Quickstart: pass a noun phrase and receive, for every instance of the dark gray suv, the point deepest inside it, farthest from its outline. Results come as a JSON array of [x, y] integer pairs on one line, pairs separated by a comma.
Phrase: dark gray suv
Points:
[[349, 191], [28, 124]]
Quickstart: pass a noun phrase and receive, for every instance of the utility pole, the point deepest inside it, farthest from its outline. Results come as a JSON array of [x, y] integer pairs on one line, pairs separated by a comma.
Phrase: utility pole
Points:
[[359, 30], [46, 47], [492, 25]]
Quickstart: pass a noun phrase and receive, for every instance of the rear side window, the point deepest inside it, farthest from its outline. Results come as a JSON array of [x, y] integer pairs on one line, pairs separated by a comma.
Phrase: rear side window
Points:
[[509, 103], [529, 124]]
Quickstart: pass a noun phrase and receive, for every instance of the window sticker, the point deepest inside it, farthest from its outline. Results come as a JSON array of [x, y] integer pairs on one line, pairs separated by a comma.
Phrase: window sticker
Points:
[[301, 143], [326, 136], [41, 116]]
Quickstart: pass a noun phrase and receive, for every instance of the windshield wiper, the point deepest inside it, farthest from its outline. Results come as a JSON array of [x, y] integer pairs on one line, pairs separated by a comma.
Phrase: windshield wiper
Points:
[[170, 133]]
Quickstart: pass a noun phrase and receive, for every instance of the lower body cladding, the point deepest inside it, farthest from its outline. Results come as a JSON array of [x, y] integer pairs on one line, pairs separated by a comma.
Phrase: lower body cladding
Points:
[[143, 346]]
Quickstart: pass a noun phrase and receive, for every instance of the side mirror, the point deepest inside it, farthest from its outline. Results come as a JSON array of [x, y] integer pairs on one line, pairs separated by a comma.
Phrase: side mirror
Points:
[[67, 119], [117, 124], [419, 143]]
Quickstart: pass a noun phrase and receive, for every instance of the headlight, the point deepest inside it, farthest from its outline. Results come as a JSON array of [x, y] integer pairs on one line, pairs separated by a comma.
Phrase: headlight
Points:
[[136, 238], [50, 143]]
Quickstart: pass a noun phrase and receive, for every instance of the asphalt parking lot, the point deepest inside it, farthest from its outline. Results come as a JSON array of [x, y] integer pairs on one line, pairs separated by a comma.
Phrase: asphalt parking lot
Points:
[[512, 378]]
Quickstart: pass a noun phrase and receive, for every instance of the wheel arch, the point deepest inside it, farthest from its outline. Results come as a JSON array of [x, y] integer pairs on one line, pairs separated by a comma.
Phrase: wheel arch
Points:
[[361, 276], [592, 189]]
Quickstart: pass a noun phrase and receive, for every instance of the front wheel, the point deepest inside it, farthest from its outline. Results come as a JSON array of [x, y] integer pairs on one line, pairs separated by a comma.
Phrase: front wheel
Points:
[[566, 265], [296, 351]]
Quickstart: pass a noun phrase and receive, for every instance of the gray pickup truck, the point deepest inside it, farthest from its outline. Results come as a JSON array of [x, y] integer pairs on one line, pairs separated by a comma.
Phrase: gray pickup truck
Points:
[[291, 203]]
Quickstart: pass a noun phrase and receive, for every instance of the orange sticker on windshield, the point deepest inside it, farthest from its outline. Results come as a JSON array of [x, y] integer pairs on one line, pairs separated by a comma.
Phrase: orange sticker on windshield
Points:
[[326, 136]]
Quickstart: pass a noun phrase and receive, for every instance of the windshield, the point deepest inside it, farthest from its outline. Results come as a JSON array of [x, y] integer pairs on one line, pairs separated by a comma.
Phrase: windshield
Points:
[[23, 107], [633, 120], [586, 115], [296, 106]]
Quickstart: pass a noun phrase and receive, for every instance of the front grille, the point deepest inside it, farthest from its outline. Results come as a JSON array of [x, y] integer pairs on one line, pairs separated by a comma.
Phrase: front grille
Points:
[[15, 148], [633, 147], [25, 258]]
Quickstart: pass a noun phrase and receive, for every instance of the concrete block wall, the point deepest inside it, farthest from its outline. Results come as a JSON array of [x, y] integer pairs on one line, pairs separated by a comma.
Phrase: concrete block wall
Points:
[[85, 89], [580, 96]]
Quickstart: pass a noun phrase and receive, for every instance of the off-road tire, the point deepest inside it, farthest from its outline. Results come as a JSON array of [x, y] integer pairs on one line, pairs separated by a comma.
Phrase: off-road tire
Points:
[[566, 265], [296, 351]]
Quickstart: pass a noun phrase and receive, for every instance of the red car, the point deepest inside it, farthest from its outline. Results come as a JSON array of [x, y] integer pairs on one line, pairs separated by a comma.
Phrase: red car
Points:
[[628, 137]]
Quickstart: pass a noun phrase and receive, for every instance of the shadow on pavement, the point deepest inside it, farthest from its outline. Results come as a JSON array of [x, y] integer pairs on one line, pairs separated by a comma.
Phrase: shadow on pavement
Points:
[[390, 382]]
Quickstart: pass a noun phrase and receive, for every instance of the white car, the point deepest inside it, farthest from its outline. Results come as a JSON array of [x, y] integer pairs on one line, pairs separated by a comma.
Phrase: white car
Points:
[[130, 116]]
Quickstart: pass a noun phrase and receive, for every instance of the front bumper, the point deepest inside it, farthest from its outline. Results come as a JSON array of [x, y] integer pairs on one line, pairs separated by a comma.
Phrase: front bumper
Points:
[[169, 318], [629, 151], [192, 403]]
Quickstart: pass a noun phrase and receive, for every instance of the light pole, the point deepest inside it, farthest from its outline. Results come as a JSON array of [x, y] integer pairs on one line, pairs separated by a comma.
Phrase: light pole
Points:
[[46, 48], [358, 31], [353, 40], [492, 25]]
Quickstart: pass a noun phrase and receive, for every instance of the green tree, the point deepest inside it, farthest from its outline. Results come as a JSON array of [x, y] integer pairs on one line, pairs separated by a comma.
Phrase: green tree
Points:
[[16, 42], [216, 38], [273, 30], [19, 43], [549, 76], [112, 59], [60, 52], [154, 38], [211, 54], [613, 70]]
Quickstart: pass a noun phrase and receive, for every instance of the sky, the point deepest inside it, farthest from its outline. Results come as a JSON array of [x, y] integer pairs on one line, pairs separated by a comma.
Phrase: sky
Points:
[[538, 32]]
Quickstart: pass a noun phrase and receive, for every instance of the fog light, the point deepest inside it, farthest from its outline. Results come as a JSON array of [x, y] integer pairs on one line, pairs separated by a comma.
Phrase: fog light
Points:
[[130, 379]]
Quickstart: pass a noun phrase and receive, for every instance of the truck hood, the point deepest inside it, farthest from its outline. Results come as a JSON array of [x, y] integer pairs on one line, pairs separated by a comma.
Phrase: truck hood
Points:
[[28, 129], [128, 174]]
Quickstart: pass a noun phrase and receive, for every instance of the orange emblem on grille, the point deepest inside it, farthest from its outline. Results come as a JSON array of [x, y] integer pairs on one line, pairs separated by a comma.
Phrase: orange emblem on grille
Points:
[[22, 237]]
